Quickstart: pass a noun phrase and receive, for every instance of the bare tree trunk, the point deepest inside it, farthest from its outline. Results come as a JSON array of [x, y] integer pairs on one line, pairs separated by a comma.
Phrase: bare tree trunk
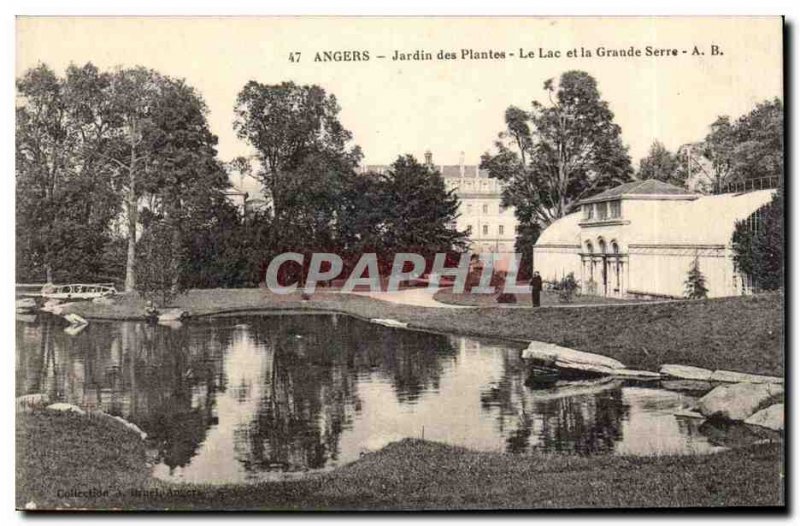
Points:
[[130, 274]]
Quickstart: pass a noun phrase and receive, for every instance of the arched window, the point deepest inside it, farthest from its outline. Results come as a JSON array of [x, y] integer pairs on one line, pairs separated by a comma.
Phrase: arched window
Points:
[[589, 248], [615, 247], [601, 245]]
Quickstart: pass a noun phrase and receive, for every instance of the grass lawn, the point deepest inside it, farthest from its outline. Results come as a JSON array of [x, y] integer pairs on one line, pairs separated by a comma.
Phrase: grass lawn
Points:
[[548, 299], [740, 333], [70, 453]]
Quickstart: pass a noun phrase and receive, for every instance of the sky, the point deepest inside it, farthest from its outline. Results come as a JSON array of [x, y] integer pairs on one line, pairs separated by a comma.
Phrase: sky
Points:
[[448, 106]]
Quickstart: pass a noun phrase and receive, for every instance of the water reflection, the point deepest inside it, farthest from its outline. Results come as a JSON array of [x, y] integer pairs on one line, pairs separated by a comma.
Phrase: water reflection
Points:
[[252, 397]]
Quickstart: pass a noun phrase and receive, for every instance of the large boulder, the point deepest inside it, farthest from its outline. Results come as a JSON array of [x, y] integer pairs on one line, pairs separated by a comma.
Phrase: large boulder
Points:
[[685, 372], [771, 418], [570, 359], [738, 401], [32, 401], [736, 378]]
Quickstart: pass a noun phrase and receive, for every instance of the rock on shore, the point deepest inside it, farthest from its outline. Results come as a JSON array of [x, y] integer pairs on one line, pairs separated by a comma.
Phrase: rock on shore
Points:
[[565, 358], [685, 372], [771, 418], [738, 401]]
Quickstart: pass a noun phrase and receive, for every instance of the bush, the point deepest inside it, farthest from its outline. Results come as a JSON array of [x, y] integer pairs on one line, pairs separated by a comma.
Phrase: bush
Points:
[[566, 288], [158, 265], [506, 297]]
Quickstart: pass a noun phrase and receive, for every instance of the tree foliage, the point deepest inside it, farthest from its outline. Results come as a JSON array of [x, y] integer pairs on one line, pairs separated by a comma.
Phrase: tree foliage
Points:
[[551, 157], [759, 251], [158, 276], [560, 152], [66, 199], [103, 157], [406, 209], [292, 128], [749, 148], [662, 165]]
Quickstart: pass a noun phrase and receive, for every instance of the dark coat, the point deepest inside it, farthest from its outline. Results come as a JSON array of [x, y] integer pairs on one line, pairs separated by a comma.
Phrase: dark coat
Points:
[[536, 283]]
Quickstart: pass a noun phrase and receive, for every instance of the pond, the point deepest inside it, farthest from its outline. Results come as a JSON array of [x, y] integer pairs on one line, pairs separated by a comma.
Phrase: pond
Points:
[[256, 397]]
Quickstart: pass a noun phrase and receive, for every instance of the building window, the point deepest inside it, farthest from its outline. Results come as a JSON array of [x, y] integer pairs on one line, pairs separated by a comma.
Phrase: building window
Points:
[[485, 229], [469, 230], [615, 209], [602, 211], [588, 212], [469, 209], [500, 230], [485, 209]]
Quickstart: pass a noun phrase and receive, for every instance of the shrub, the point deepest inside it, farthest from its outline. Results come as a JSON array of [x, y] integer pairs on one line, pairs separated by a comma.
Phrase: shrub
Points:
[[566, 288], [695, 282], [158, 264]]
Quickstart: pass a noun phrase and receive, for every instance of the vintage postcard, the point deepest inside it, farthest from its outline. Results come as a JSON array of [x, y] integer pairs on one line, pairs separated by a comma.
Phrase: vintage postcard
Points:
[[411, 263]]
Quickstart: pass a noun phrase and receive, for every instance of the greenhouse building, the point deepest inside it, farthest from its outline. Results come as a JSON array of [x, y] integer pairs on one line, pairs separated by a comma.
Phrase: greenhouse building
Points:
[[641, 239]]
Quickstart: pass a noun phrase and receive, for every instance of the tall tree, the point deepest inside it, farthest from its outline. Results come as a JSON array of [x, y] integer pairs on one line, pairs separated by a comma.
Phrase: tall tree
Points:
[[558, 153], [749, 148], [288, 125], [662, 165], [65, 199], [132, 96], [419, 212], [187, 186]]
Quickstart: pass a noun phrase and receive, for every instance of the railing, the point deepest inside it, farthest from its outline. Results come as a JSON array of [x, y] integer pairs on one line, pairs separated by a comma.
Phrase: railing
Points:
[[749, 185]]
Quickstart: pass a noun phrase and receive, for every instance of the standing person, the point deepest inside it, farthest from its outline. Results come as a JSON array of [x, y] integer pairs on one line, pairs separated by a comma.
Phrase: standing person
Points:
[[536, 289]]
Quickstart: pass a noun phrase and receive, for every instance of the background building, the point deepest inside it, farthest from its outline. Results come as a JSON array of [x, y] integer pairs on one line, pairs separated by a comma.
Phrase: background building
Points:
[[490, 227], [640, 239]]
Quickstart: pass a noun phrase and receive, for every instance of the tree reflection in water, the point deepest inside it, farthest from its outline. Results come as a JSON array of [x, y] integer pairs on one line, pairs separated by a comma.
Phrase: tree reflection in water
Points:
[[291, 401], [580, 417], [244, 398]]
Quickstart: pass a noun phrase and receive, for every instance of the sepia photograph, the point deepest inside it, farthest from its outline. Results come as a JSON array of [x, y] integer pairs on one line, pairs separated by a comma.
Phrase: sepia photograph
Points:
[[318, 263]]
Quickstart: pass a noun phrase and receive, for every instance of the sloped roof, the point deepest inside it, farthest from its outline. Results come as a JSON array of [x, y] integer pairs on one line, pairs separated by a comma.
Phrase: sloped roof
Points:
[[708, 220], [705, 220], [563, 231], [652, 187]]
